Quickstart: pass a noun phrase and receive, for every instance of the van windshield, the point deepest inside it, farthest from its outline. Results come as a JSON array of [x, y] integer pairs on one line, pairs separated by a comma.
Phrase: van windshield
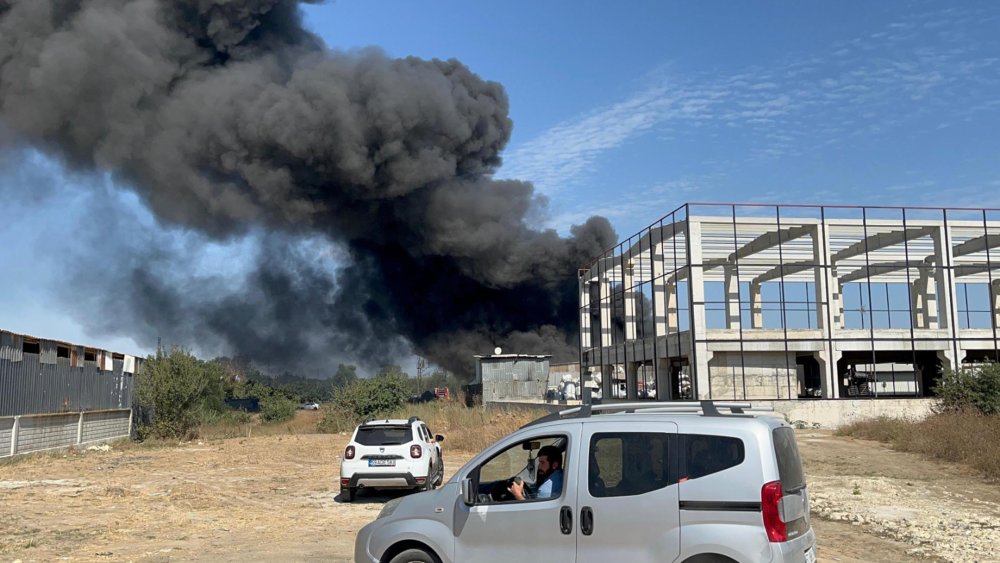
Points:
[[789, 463], [383, 435]]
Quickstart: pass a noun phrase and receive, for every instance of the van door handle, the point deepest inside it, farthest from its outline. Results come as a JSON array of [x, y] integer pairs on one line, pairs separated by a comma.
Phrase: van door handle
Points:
[[586, 521], [566, 520]]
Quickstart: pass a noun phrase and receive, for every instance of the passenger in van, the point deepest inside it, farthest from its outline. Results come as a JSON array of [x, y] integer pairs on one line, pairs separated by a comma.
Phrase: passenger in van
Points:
[[549, 476]]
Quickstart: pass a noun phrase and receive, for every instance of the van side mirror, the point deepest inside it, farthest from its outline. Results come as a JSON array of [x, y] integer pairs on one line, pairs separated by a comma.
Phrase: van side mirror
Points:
[[468, 492], [439, 437]]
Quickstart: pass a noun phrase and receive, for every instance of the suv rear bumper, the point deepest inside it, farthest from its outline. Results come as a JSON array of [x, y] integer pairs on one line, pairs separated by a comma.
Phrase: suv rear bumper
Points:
[[382, 481]]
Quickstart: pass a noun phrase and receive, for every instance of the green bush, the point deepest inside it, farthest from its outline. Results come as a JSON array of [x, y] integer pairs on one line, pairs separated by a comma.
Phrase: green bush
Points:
[[177, 391], [976, 388], [276, 408], [370, 397]]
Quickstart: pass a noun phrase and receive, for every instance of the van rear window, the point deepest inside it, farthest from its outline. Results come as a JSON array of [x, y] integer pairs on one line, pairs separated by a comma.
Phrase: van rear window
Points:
[[789, 463], [383, 435], [707, 454]]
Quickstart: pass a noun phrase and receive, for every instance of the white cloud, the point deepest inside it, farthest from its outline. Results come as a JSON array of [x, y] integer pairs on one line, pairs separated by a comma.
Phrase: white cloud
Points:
[[876, 84]]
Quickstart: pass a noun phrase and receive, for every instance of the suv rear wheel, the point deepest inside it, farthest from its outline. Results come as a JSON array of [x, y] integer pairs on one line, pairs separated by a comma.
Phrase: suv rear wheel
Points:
[[349, 494]]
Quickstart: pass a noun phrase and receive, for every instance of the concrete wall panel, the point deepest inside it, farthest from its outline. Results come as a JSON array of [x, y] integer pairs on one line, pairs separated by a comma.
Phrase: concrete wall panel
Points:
[[765, 375], [6, 433], [46, 432], [107, 425]]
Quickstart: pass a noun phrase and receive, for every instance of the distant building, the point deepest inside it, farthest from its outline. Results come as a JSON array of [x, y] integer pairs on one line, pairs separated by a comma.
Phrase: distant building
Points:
[[55, 394], [512, 377], [735, 302]]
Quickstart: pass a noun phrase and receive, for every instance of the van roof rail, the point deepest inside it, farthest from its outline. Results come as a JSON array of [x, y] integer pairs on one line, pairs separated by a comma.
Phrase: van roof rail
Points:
[[704, 408]]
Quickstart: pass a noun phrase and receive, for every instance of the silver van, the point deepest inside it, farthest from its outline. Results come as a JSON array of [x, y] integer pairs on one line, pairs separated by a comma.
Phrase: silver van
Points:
[[689, 482]]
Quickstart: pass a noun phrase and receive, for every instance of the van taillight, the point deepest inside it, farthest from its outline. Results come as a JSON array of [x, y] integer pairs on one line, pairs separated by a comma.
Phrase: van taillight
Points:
[[416, 451], [770, 499], [349, 452]]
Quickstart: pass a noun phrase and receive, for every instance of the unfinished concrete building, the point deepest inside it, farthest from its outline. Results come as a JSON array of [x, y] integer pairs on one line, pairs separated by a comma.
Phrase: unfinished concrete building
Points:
[[738, 302]]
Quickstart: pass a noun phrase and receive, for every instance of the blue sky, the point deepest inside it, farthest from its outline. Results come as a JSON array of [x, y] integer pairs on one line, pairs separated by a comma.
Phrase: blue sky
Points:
[[629, 109]]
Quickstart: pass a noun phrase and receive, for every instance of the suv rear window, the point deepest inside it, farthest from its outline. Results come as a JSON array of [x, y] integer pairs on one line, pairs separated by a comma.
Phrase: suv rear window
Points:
[[383, 435], [789, 463]]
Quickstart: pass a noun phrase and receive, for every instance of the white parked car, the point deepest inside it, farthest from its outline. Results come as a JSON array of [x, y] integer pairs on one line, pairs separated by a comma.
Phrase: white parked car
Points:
[[309, 406], [391, 454]]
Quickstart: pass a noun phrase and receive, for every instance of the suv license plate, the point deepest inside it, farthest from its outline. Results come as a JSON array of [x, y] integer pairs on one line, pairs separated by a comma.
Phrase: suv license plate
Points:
[[391, 463], [811, 555]]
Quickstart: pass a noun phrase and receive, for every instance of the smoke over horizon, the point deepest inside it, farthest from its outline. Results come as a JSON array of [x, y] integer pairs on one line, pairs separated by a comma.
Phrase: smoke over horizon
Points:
[[230, 119]]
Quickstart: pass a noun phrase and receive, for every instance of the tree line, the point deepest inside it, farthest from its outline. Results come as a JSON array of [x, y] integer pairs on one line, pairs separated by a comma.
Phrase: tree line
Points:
[[176, 392]]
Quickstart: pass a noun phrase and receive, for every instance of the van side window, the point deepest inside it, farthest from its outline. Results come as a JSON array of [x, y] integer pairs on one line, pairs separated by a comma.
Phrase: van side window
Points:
[[628, 463], [706, 454], [493, 478]]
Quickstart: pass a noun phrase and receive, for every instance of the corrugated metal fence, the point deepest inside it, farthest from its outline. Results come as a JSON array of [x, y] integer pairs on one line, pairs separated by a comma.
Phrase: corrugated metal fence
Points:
[[29, 386]]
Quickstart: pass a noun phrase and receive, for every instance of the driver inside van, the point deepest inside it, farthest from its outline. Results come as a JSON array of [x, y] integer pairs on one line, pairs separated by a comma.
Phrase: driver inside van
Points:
[[549, 476]]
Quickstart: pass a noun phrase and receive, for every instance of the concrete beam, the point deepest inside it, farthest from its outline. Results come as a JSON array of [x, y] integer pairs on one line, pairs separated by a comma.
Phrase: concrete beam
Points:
[[977, 244], [763, 242], [654, 238], [784, 270], [882, 240], [973, 269]]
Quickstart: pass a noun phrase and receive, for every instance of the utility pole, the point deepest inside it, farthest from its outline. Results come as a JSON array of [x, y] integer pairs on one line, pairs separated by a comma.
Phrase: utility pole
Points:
[[421, 364]]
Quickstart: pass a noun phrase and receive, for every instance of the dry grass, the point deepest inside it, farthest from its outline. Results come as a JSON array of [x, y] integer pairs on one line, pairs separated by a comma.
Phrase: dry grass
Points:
[[466, 429], [968, 438], [305, 422]]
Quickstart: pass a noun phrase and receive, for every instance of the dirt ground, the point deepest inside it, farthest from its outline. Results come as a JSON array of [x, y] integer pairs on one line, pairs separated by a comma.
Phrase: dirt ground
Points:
[[274, 498]]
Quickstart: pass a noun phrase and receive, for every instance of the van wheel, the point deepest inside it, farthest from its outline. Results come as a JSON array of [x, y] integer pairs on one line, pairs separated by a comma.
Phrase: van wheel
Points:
[[414, 556], [709, 558]]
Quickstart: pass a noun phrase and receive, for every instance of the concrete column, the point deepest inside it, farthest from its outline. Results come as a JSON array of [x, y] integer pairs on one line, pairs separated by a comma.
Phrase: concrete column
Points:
[[79, 430], [671, 299], [663, 389], [948, 360], [828, 365], [924, 302], [836, 300], [701, 379], [821, 295], [917, 299], [605, 310], [699, 355], [996, 303], [944, 278], [629, 294], [14, 435], [660, 298], [732, 289], [756, 308], [632, 380], [585, 314], [607, 381]]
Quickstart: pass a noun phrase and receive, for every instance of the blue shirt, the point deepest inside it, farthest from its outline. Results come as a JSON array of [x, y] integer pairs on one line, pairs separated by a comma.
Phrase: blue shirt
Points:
[[552, 486]]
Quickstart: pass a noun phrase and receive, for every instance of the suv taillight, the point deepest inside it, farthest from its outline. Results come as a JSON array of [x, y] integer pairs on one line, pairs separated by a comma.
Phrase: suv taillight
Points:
[[349, 452], [416, 451], [770, 500]]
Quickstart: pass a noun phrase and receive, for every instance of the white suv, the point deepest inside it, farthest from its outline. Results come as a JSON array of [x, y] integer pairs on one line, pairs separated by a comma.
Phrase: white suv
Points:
[[391, 454], [640, 482]]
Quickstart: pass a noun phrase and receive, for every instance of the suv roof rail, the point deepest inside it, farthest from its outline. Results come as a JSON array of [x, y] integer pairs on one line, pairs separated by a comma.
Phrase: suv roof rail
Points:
[[705, 408], [413, 419]]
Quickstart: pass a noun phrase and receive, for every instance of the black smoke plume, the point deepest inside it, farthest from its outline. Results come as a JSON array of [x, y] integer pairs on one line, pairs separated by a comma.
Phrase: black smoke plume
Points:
[[230, 118]]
